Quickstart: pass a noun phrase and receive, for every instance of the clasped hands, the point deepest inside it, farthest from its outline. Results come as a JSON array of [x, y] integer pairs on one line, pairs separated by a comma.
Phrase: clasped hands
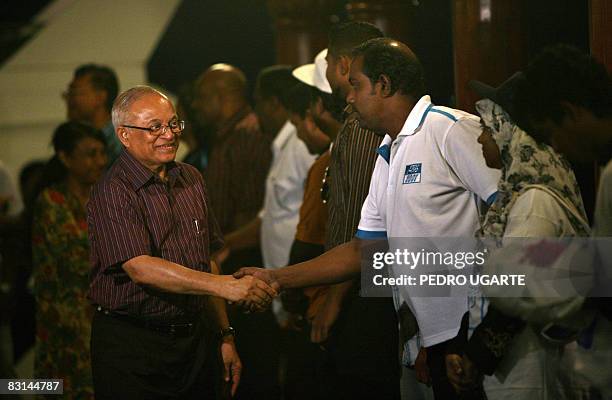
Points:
[[462, 373], [255, 288]]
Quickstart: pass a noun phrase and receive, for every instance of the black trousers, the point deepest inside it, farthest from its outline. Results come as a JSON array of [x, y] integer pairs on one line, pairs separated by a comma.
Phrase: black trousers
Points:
[[356, 387], [133, 362]]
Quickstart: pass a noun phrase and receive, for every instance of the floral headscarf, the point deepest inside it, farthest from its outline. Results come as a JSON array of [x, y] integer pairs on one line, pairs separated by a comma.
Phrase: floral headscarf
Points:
[[526, 163]]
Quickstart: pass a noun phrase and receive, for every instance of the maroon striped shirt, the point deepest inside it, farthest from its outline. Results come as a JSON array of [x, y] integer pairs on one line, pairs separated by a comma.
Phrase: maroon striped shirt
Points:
[[131, 213]]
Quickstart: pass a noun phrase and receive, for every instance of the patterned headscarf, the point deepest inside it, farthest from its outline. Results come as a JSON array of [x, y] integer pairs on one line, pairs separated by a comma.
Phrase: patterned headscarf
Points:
[[525, 163]]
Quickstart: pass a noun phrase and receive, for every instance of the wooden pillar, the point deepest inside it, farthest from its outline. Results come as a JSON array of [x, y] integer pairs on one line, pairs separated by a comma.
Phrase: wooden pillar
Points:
[[301, 28], [600, 31], [394, 17], [488, 44]]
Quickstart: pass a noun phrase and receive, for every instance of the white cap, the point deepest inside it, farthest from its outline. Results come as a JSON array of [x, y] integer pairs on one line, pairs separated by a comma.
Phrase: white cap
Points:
[[314, 74]]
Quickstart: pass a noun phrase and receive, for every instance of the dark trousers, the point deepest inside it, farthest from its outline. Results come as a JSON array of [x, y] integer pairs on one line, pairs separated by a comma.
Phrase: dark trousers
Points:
[[304, 377], [360, 387], [130, 361], [258, 345]]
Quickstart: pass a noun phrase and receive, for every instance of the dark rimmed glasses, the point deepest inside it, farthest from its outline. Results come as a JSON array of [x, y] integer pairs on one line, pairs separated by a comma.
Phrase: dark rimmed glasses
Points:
[[175, 127]]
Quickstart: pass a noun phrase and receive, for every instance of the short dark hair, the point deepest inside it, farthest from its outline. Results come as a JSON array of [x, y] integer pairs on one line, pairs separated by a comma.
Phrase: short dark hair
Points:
[[300, 97], [102, 78], [65, 139], [69, 134], [343, 37], [276, 81], [402, 67], [561, 73]]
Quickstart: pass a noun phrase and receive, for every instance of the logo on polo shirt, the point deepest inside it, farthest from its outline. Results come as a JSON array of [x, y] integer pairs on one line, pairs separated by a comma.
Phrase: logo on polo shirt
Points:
[[412, 174]]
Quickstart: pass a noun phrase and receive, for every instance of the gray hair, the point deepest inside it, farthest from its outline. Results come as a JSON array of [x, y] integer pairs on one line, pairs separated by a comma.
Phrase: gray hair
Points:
[[123, 102]]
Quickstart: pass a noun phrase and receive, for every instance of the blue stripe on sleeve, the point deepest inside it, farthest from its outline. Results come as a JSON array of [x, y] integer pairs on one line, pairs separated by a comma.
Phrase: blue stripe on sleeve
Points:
[[491, 199], [371, 234]]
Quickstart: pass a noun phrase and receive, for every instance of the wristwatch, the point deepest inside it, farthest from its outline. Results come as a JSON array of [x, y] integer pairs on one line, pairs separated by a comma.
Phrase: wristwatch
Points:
[[225, 332]]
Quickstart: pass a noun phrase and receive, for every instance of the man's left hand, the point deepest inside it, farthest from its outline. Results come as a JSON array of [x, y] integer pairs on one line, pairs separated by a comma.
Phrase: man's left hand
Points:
[[462, 373], [249, 123], [232, 366]]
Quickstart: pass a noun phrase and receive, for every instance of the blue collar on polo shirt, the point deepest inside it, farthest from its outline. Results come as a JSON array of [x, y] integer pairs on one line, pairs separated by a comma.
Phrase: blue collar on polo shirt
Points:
[[416, 117]]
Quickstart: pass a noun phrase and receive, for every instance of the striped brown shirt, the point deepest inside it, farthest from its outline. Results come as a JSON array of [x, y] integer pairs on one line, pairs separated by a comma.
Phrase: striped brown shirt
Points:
[[352, 161], [236, 174], [131, 213]]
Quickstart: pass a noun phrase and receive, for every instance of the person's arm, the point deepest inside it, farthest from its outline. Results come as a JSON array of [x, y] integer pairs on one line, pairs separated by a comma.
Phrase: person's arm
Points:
[[229, 355], [328, 313], [603, 206], [464, 156], [46, 240], [337, 265], [171, 277], [245, 237]]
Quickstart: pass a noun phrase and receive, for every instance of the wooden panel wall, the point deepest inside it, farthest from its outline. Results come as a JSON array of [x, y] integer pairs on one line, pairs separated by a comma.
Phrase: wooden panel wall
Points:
[[394, 17], [488, 46], [301, 27], [601, 31]]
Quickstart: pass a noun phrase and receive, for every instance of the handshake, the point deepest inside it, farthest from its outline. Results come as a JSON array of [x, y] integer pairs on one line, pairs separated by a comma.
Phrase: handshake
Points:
[[253, 289]]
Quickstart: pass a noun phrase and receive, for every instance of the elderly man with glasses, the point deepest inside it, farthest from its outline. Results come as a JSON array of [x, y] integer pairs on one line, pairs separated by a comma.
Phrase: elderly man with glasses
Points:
[[152, 232]]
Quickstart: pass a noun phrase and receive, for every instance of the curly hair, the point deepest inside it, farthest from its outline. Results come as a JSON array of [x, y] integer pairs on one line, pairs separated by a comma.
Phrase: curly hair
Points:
[[561, 73], [382, 56]]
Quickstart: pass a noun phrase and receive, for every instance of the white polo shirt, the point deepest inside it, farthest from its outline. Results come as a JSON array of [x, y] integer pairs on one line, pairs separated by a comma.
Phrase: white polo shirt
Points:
[[425, 184]]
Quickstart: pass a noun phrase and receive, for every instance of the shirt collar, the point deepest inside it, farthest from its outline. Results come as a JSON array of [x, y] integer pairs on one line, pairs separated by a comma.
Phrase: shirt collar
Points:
[[384, 150], [283, 135], [416, 117], [139, 175]]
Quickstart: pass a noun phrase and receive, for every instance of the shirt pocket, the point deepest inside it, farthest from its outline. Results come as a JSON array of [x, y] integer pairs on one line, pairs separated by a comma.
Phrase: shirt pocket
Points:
[[193, 237]]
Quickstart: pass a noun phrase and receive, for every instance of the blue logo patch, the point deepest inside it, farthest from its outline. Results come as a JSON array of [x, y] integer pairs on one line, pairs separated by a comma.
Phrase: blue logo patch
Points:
[[412, 174]]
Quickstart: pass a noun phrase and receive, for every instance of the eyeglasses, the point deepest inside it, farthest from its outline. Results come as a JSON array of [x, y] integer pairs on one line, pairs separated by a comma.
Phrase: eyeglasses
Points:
[[175, 127]]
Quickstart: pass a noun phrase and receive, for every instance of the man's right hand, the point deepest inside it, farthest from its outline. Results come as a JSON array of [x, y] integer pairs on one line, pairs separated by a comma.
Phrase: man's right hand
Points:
[[421, 368], [251, 292], [265, 275]]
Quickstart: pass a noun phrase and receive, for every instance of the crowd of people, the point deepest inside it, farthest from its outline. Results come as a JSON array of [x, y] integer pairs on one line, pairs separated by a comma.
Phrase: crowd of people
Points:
[[134, 274]]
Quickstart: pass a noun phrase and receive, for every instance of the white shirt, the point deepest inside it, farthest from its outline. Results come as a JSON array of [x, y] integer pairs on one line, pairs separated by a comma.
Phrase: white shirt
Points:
[[283, 198], [426, 187], [538, 214], [9, 191], [603, 208]]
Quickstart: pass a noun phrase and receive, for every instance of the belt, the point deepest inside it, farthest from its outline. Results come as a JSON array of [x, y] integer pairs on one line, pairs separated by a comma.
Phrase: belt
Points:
[[176, 329]]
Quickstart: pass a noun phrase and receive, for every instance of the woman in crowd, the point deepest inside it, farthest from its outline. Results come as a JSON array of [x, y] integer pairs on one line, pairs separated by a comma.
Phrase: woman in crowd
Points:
[[538, 196], [61, 258]]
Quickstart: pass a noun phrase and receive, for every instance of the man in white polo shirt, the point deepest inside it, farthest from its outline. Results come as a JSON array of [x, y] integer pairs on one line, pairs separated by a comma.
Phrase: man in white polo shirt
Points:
[[425, 184]]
